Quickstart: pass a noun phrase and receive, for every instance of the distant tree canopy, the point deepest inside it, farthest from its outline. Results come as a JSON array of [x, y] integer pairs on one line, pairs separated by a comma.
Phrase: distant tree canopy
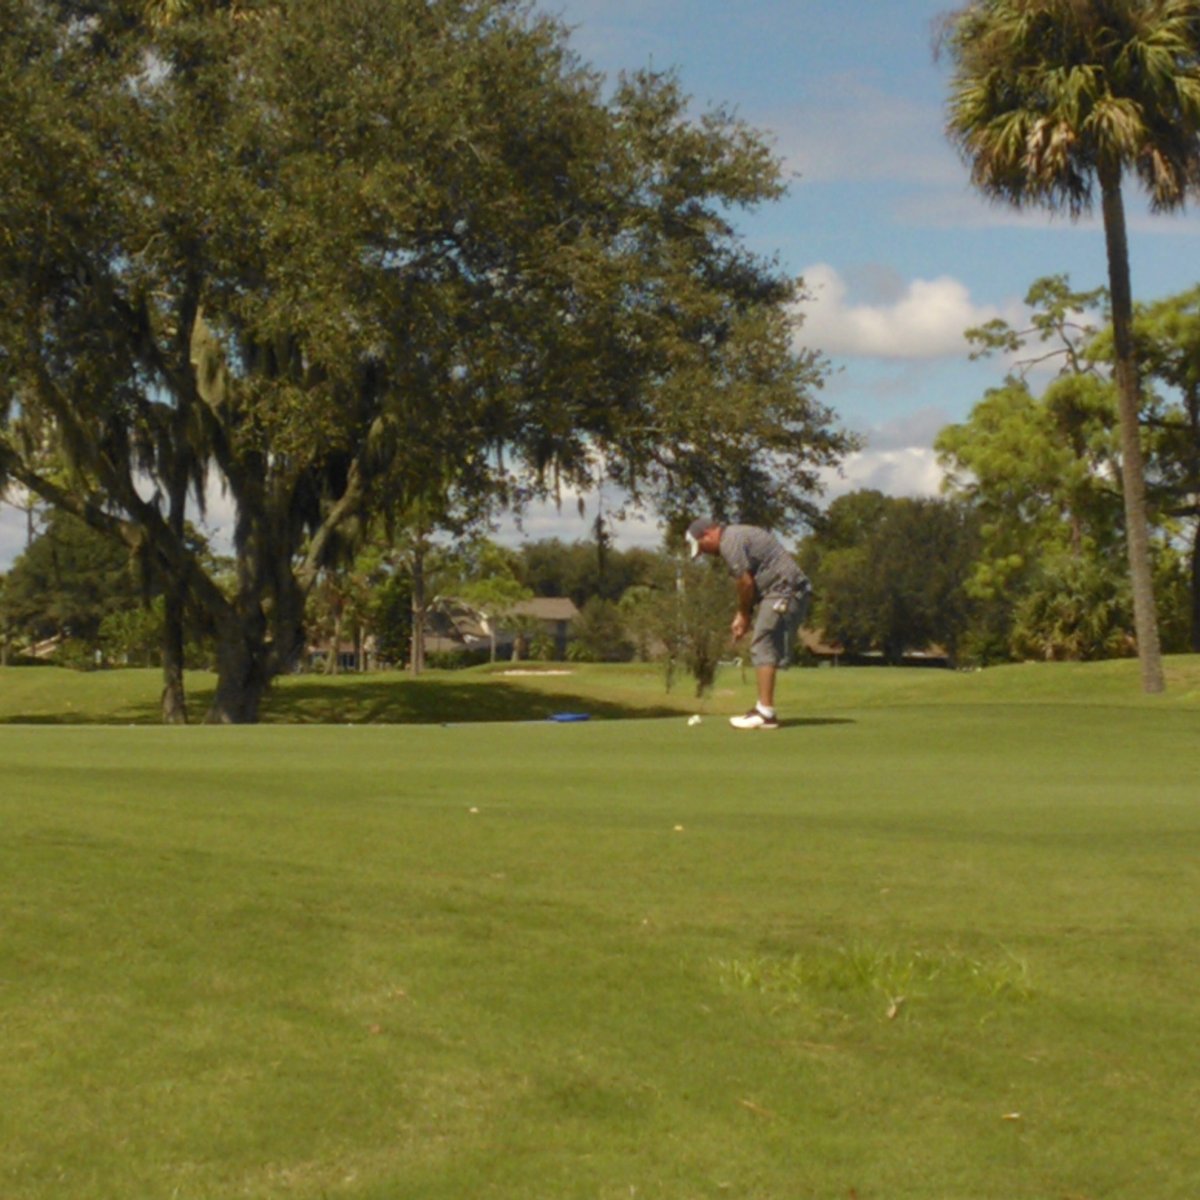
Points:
[[1168, 339], [66, 583], [580, 570], [1043, 473], [74, 584], [348, 256], [888, 574]]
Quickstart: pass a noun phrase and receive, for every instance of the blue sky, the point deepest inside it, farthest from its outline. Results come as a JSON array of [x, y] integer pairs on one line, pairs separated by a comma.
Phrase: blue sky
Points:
[[898, 252]]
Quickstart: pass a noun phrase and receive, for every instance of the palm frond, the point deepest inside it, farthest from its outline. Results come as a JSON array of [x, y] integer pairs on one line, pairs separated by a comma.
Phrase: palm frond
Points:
[[1047, 93]]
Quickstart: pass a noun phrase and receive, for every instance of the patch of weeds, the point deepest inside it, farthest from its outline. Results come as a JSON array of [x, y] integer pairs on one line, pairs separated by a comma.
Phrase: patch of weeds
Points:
[[898, 978]]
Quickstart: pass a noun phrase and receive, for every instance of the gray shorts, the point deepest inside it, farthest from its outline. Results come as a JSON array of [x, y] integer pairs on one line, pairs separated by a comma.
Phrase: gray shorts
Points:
[[775, 626]]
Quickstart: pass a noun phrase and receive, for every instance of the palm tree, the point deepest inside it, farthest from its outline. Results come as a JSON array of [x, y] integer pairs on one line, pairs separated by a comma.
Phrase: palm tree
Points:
[[1050, 98]]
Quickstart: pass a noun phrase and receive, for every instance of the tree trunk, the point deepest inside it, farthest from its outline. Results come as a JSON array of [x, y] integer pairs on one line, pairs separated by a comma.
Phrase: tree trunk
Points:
[[417, 655], [243, 673], [174, 704], [1145, 616], [174, 699], [333, 658], [1195, 627], [1192, 400]]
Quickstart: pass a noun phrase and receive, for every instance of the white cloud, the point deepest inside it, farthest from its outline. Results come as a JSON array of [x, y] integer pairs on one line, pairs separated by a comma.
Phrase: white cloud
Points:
[[909, 471], [897, 459], [565, 522], [925, 319]]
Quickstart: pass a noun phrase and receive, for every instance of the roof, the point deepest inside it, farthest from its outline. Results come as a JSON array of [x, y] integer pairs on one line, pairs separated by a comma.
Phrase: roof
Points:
[[455, 622], [547, 608]]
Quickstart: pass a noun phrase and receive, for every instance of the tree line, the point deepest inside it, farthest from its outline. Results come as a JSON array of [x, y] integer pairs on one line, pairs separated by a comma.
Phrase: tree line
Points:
[[1021, 558], [81, 596], [1024, 556]]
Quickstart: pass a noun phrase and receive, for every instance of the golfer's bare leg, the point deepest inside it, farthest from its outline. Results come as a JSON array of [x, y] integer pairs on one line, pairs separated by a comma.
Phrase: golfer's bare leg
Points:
[[766, 686]]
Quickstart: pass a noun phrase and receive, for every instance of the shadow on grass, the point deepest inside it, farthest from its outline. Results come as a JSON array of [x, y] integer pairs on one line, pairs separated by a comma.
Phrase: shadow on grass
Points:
[[312, 700], [807, 722], [398, 701], [439, 701], [129, 714]]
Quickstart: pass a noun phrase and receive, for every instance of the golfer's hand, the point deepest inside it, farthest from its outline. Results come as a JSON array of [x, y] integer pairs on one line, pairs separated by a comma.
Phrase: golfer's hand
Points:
[[739, 626]]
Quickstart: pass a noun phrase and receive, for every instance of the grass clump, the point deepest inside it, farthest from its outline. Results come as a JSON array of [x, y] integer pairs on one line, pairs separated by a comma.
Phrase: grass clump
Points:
[[894, 979]]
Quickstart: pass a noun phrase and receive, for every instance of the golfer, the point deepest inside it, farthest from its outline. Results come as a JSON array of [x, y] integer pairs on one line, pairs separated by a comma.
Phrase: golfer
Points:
[[772, 592]]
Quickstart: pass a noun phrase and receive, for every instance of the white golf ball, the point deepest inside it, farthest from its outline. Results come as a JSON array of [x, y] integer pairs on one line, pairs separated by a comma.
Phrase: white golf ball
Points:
[[694, 719]]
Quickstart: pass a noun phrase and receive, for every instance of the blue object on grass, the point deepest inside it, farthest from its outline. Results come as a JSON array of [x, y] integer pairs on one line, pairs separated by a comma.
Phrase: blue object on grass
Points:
[[571, 717]]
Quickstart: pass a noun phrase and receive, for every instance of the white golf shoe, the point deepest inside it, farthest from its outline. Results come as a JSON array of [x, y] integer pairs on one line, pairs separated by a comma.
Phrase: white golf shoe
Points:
[[754, 720]]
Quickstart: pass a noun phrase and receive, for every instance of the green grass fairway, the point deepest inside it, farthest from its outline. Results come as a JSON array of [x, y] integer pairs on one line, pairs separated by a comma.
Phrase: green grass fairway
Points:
[[53, 696], [936, 938]]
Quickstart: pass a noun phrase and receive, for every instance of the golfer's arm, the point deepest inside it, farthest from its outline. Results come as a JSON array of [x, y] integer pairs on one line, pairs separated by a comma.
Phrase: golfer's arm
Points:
[[746, 594]]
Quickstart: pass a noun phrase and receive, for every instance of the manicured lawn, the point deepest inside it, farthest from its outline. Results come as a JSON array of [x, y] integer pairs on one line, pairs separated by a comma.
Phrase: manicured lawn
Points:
[[50, 695], [936, 938]]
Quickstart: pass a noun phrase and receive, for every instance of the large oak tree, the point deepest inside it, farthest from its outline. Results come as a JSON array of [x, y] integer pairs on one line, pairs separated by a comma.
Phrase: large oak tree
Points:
[[350, 256]]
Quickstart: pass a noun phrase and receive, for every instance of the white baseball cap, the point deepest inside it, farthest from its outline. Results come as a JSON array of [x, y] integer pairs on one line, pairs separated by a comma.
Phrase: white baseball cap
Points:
[[695, 531]]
